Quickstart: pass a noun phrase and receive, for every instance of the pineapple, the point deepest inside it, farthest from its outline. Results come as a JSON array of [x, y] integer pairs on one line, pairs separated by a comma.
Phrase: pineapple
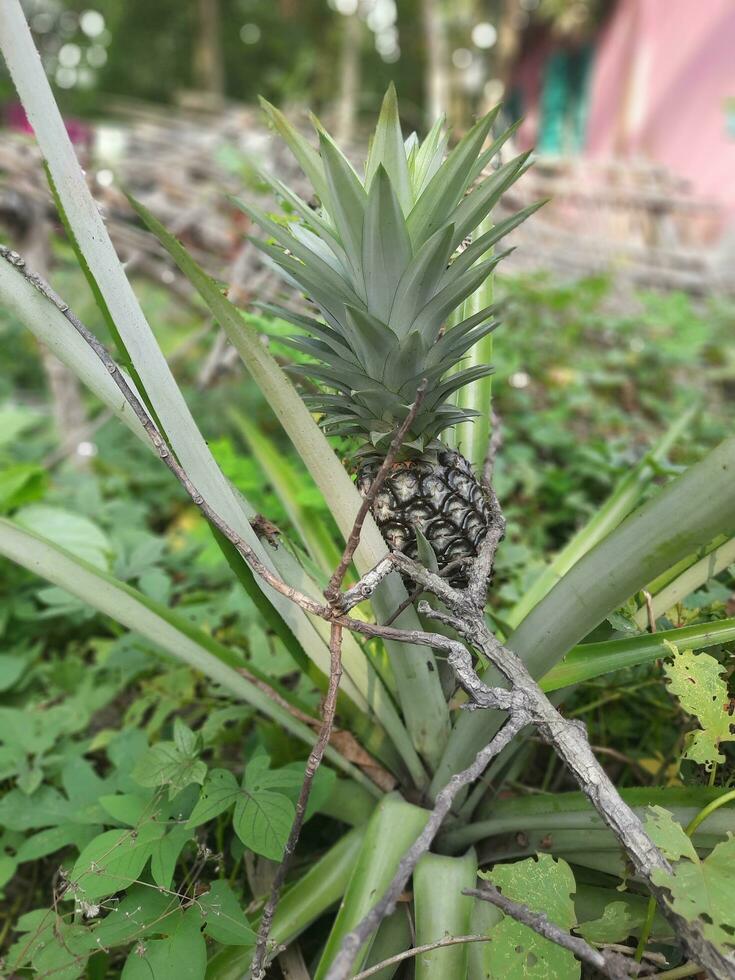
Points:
[[385, 261]]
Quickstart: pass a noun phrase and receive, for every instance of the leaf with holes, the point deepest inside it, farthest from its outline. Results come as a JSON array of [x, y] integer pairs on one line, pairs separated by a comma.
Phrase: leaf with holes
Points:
[[701, 890], [544, 885], [696, 680], [614, 925], [173, 764]]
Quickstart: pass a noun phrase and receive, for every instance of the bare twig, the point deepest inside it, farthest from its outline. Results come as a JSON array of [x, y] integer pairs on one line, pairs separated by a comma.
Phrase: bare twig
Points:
[[257, 969], [610, 964], [649, 611], [408, 954], [332, 590]]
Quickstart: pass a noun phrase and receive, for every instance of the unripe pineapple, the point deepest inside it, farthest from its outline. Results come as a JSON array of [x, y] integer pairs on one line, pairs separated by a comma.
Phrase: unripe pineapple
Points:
[[384, 259]]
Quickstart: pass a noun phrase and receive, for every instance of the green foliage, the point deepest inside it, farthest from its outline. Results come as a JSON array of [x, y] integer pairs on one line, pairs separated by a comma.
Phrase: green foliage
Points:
[[700, 890], [545, 885], [696, 681]]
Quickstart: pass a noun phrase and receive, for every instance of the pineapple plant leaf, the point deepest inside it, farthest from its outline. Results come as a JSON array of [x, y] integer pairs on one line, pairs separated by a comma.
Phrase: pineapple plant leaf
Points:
[[377, 261]]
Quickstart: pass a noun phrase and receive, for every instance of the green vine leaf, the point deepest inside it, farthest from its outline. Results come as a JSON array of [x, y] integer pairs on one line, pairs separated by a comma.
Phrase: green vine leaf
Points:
[[517, 952], [262, 820], [174, 764], [700, 889], [181, 954], [614, 925], [224, 920], [696, 681]]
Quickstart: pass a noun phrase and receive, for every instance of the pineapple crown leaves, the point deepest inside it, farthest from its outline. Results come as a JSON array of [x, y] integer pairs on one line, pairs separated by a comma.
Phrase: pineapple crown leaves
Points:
[[379, 259]]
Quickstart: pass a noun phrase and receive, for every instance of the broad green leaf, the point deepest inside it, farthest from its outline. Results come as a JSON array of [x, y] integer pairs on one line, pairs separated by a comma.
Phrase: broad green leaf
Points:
[[668, 835], [219, 792], [70, 531], [262, 820], [129, 808], [182, 954], [544, 885], [11, 669], [696, 680], [141, 911], [20, 484], [224, 920], [701, 890], [614, 925], [165, 854], [53, 839], [112, 861], [165, 764]]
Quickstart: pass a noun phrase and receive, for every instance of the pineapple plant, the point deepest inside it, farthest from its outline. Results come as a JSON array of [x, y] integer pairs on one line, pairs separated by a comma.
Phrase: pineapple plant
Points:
[[387, 258]]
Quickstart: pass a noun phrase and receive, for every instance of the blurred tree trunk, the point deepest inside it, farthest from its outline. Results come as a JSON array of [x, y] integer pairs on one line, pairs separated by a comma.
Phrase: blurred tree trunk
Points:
[[208, 62], [509, 41], [349, 78], [437, 74], [67, 407]]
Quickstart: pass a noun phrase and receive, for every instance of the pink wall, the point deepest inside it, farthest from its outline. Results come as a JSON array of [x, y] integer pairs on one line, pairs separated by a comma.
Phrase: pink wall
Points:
[[663, 72]]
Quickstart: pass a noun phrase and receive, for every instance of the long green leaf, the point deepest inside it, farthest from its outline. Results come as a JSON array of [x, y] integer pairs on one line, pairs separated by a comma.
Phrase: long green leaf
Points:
[[306, 900], [307, 157], [591, 660], [618, 505], [442, 910], [472, 437], [689, 581], [51, 327], [553, 812], [392, 829], [387, 150], [685, 515], [284, 480], [155, 622], [422, 701]]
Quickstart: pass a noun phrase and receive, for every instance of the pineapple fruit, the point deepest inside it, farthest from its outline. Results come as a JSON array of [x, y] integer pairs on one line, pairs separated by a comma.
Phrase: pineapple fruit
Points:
[[386, 262]]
